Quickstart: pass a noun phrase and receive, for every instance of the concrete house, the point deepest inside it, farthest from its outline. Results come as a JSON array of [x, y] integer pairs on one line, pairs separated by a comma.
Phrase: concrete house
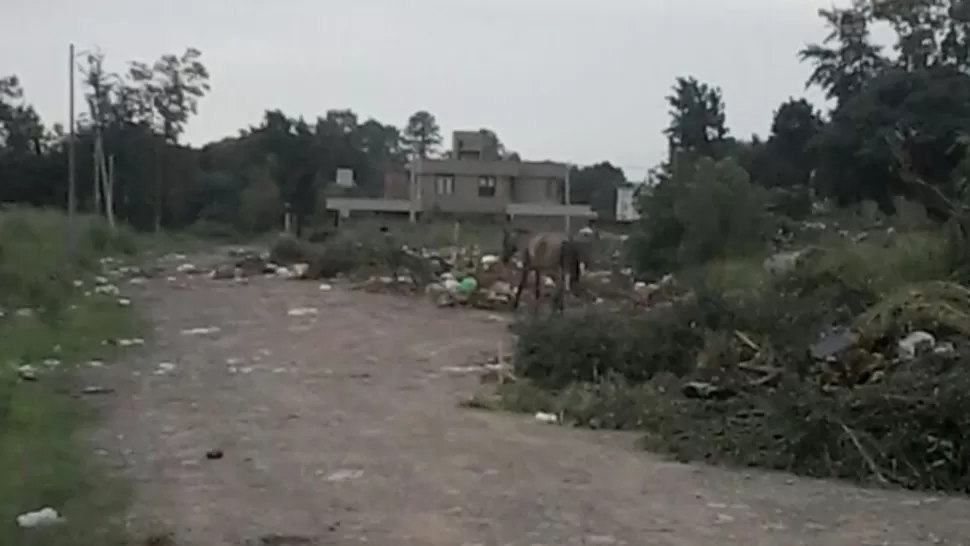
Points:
[[474, 182]]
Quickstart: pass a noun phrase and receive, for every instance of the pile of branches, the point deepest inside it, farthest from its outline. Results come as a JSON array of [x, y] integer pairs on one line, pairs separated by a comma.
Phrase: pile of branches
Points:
[[909, 429], [706, 392]]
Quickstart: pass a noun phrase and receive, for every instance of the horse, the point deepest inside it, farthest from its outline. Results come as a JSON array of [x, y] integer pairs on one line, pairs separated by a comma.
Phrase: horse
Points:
[[544, 252]]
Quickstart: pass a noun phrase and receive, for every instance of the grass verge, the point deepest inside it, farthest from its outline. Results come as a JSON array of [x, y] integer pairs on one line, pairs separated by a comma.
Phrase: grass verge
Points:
[[54, 324]]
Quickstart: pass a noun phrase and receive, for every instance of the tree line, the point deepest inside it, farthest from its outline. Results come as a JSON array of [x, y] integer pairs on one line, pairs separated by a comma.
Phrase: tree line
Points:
[[132, 162], [899, 114], [898, 126]]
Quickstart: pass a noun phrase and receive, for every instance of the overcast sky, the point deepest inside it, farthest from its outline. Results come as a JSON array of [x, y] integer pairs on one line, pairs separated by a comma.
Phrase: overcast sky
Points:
[[572, 80]]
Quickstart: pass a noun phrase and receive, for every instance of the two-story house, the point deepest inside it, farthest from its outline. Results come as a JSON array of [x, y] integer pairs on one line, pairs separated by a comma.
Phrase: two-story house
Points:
[[473, 181]]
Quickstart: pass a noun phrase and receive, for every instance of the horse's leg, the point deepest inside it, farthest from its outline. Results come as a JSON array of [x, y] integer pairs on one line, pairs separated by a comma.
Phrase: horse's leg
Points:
[[538, 287], [518, 291], [561, 291], [537, 290]]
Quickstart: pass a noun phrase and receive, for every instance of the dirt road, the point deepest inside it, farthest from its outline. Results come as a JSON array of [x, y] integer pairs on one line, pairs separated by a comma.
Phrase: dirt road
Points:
[[342, 428]]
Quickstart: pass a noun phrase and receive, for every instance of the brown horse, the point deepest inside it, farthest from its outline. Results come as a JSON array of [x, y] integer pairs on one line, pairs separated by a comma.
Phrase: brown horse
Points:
[[553, 253]]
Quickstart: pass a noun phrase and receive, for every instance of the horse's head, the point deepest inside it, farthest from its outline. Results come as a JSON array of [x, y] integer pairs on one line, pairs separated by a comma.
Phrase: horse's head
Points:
[[509, 246], [511, 243]]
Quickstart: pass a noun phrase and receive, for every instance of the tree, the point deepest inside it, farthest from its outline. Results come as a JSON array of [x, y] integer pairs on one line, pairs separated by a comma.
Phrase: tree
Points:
[[21, 130], [382, 149], [596, 186], [422, 135], [702, 210], [100, 86], [172, 86], [927, 112], [846, 60], [494, 148], [697, 124], [787, 159], [928, 32]]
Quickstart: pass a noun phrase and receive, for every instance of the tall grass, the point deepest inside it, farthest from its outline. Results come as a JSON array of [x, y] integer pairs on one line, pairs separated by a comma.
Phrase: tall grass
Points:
[[53, 322]]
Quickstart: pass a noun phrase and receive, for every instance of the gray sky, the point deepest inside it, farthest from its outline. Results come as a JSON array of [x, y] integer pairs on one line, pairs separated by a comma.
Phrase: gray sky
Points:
[[572, 80]]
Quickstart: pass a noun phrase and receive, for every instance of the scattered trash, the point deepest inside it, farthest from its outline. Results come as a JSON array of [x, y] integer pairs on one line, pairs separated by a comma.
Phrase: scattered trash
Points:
[[324, 287], [107, 289], [201, 331], [40, 518], [724, 518], [302, 312], [164, 368], [945, 349], [467, 285], [130, 342], [27, 372], [95, 389], [345, 474], [832, 343], [916, 343], [213, 454], [543, 417]]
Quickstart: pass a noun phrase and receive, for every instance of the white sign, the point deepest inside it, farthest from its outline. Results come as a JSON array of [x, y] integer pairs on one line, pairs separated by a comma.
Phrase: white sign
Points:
[[345, 178], [626, 210]]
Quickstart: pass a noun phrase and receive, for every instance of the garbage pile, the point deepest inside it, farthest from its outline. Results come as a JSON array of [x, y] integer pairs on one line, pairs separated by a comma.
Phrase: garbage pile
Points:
[[917, 325], [449, 276], [882, 399]]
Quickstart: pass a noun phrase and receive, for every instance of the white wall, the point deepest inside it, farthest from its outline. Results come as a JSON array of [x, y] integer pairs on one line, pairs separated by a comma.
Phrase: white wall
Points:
[[625, 210]]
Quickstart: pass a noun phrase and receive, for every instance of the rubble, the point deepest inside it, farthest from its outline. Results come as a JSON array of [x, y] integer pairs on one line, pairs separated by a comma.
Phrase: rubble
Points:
[[449, 276]]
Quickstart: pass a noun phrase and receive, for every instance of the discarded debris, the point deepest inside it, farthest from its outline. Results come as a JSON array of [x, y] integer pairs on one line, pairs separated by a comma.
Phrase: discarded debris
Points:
[[96, 389], [187, 268], [201, 331], [915, 344], [302, 312], [344, 475], [164, 368], [214, 454], [40, 518], [543, 417], [832, 343], [27, 372]]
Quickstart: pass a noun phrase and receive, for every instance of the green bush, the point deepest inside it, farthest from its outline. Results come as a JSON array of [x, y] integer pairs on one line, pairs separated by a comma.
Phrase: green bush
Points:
[[557, 351], [706, 210]]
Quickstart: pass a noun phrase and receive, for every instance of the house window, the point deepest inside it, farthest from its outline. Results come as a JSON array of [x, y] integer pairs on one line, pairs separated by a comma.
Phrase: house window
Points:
[[444, 185], [486, 186]]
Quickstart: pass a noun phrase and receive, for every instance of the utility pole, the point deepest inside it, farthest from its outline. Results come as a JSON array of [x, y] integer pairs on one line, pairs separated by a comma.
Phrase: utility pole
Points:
[[415, 189], [567, 199], [71, 176]]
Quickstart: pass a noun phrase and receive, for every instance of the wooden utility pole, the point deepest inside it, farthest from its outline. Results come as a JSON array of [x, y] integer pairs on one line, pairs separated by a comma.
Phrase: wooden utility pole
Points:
[[567, 199], [71, 176], [415, 192]]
